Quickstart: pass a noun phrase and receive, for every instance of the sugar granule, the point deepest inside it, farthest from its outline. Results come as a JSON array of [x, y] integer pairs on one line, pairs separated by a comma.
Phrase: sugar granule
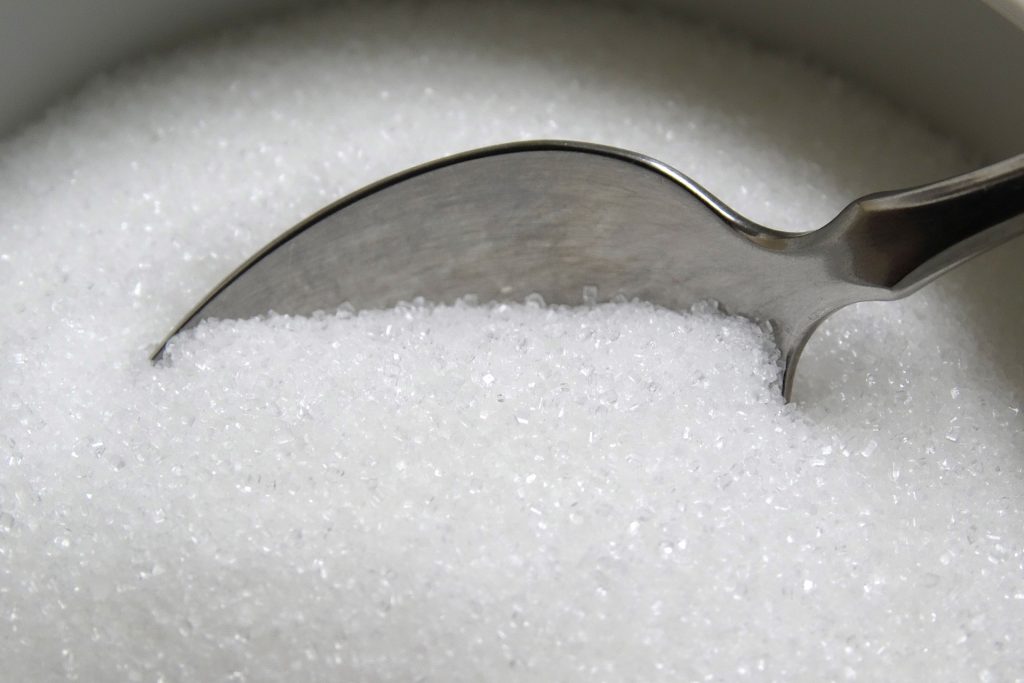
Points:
[[610, 492]]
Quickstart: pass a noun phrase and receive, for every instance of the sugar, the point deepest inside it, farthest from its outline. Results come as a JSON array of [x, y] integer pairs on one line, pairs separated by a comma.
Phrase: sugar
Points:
[[493, 492]]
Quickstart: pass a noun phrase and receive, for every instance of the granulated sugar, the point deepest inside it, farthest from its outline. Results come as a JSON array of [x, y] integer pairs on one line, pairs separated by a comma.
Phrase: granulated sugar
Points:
[[463, 493]]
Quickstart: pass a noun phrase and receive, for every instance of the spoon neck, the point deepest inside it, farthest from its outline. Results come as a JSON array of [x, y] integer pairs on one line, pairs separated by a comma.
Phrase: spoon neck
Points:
[[900, 241]]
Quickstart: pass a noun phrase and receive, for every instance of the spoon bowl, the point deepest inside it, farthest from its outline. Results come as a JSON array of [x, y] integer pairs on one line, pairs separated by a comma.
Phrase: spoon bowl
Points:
[[556, 218]]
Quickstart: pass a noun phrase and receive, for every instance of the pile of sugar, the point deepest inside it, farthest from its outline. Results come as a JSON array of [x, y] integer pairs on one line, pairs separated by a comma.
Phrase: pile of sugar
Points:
[[492, 492]]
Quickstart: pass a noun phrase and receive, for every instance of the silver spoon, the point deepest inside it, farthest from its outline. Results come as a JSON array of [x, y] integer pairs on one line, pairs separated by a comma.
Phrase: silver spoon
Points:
[[555, 218]]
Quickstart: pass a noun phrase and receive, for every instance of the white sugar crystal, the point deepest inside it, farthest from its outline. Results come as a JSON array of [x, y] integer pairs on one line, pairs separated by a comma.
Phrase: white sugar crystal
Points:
[[471, 493]]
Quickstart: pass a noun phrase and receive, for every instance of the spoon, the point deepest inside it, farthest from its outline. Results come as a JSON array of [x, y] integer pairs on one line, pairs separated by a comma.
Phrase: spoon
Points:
[[559, 218]]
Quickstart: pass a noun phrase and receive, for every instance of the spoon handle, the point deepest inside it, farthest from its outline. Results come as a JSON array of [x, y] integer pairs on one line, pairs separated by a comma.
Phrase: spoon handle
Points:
[[902, 240]]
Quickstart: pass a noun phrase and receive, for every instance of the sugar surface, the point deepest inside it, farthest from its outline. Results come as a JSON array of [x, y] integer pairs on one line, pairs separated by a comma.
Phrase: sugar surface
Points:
[[470, 493]]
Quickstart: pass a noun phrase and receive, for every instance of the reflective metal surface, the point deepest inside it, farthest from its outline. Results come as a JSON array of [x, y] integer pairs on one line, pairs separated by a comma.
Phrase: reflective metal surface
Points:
[[555, 217]]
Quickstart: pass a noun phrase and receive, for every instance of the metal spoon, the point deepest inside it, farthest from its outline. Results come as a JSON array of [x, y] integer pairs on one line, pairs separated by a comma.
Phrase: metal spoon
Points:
[[556, 217]]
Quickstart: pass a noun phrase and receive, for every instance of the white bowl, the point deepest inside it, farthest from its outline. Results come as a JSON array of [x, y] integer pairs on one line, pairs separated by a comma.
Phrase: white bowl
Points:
[[958, 63]]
